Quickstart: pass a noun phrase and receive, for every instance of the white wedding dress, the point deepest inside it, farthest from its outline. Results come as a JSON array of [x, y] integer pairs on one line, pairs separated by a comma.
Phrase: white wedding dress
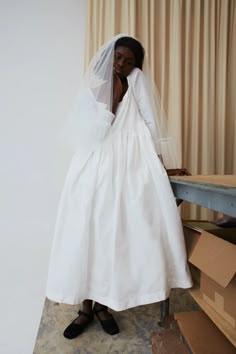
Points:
[[119, 238]]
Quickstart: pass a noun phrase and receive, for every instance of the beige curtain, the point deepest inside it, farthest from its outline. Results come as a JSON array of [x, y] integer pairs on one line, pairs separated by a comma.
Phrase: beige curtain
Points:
[[191, 48]]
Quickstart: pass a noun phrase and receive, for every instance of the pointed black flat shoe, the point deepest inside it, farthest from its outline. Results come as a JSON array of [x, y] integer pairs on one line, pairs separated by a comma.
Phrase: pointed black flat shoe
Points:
[[109, 326], [75, 329]]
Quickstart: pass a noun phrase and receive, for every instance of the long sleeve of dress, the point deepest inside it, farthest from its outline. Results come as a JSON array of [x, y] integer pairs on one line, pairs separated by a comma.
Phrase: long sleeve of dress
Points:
[[143, 101]]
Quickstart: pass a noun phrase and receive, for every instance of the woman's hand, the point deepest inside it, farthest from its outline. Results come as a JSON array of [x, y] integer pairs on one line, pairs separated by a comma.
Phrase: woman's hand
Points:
[[178, 172]]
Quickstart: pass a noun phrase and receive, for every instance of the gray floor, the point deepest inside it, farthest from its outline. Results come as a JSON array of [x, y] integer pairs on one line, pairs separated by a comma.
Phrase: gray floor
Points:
[[135, 325]]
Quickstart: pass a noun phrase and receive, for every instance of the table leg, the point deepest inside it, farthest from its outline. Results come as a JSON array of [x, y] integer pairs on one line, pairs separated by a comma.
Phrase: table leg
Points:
[[164, 312]]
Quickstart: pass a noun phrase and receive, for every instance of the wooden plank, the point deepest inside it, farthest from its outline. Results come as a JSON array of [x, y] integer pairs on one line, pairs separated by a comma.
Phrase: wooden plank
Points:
[[209, 195], [218, 201], [217, 180]]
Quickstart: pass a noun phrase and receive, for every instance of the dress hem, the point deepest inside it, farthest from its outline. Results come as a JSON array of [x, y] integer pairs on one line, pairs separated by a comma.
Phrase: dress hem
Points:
[[116, 305]]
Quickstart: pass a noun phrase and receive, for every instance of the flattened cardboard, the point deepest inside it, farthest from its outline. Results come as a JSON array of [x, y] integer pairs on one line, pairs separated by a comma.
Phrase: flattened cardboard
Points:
[[168, 342], [201, 225], [191, 239], [201, 335], [213, 256]]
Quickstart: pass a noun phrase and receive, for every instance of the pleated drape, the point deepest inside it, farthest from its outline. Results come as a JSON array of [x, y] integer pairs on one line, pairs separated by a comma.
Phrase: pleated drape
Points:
[[191, 49]]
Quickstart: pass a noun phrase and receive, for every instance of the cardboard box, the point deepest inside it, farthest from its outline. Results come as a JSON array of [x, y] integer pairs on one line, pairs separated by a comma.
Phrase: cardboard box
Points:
[[212, 256], [201, 336]]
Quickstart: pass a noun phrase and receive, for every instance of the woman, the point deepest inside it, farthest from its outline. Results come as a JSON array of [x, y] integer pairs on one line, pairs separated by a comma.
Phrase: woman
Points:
[[119, 239]]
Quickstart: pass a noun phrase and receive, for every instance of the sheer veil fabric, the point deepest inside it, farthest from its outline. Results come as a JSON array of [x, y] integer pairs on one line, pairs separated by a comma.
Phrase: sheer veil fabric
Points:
[[91, 116]]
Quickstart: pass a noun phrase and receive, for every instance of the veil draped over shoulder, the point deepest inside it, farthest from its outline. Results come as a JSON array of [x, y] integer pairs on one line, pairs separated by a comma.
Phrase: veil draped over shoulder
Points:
[[91, 117]]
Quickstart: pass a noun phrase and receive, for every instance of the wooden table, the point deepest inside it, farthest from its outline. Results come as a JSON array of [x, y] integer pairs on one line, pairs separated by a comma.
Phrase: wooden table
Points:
[[215, 192]]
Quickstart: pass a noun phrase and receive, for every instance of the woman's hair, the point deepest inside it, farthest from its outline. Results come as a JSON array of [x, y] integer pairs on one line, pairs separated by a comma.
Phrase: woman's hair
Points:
[[135, 46]]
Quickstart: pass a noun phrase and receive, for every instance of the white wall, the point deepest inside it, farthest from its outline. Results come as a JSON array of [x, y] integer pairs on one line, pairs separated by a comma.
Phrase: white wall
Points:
[[41, 62]]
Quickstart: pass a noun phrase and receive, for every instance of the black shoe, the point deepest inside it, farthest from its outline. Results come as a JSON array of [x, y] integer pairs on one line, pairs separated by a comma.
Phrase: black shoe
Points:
[[109, 326], [74, 329]]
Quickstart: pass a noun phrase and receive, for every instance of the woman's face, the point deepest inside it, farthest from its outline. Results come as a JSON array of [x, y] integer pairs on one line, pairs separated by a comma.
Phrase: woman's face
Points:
[[124, 61]]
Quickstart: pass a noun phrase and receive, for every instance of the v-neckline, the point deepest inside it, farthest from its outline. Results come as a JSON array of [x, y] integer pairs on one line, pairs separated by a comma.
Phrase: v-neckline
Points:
[[120, 104]]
